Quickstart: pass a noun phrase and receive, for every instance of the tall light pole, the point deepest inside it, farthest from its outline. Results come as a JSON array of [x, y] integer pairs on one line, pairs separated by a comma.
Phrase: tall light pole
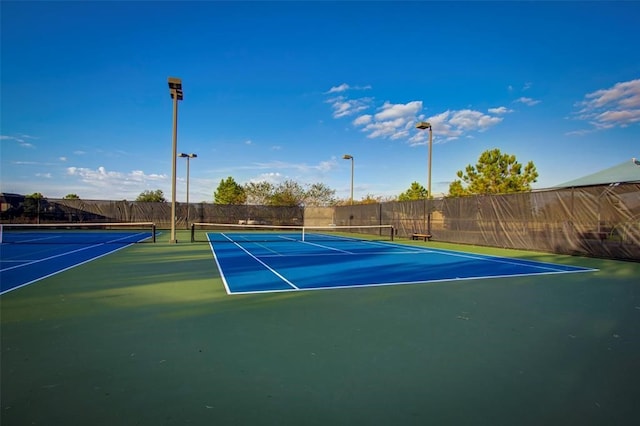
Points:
[[175, 89], [350, 157], [188, 157], [422, 126]]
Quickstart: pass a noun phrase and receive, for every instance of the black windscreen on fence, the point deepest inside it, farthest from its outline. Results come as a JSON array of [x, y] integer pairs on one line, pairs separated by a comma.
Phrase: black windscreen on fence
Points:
[[601, 221]]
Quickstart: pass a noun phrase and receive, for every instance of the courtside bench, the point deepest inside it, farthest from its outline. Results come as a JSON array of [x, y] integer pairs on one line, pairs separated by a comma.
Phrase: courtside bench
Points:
[[420, 236]]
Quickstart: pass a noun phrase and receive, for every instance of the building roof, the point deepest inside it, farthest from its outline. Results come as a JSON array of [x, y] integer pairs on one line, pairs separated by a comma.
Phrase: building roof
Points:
[[629, 171]]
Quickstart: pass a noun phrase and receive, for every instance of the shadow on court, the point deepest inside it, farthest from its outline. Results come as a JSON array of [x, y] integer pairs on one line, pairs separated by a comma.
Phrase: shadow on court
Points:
[[148, 336]]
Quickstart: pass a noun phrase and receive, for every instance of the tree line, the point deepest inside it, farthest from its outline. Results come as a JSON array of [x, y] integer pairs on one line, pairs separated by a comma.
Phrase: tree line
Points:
[[494, 173]]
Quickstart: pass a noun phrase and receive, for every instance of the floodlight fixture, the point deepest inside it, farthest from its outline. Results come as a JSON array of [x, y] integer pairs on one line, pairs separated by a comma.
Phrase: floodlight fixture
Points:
[[175, 88]]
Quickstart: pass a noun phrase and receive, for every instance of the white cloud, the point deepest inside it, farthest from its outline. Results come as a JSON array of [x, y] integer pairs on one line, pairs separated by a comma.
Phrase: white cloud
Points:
[[103, 178], [322, 166], [397, 120], [500, 110], [63, 159], [326, 166], [32, 163], [394, 111], [451, 125], [343, 107], [612, 107], [389, 128], [140, 176], [273, 178], [473, 120], [527, 101], [90, 183], [393, 121], [363, 119], [337, 89], [22, 140], [344, 87]]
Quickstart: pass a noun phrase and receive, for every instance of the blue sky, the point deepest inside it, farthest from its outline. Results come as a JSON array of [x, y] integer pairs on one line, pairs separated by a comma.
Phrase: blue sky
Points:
[[282, 90]]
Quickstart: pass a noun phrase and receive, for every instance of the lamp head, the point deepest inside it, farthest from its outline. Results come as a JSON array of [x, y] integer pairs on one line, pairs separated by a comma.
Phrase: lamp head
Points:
[[175, 87], [423, 125], [347, 157]]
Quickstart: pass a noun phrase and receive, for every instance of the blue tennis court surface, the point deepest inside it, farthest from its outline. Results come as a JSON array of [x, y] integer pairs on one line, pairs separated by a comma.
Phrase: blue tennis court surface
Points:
[[29, 256], [292, 265]]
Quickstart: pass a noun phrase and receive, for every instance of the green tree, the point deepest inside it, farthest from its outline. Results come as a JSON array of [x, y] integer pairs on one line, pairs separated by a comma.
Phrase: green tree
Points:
[[369, 199], [33, 204], [229, 192], [495, 173], [151, 196], [415, 192], [319, 194], [259, 193], [71, 197], [288, 193]]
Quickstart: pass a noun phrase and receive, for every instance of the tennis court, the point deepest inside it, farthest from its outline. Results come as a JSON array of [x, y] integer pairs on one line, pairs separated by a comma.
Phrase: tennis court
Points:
[[265, 259], [29, 253], [148, 335]]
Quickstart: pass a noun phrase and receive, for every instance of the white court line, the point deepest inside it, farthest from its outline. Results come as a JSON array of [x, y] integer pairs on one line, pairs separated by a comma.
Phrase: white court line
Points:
[[407, 250], [268, 249], [342, 252], [365, 285], [69, 267], [410, 249], [222, 276], [327, 247], [38, 239], [63, 254], [65, 269], [488, 258], [276, 273], [498, 259], [44, 259]]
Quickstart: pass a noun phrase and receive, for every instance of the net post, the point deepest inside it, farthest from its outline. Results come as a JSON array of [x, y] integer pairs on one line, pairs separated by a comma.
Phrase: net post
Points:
[[193, 232], [392, 233], [153, 232], [1, 233], [303, 234]]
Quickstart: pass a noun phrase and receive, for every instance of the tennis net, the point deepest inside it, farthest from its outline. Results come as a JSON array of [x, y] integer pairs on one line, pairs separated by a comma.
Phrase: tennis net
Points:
[[220, 232], [78, 233]]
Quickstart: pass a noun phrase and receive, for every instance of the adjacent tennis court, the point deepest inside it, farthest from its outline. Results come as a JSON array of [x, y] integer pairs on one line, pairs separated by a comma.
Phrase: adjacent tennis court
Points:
[[29, 253], [266, 259]]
